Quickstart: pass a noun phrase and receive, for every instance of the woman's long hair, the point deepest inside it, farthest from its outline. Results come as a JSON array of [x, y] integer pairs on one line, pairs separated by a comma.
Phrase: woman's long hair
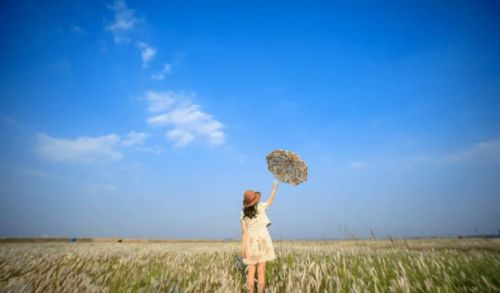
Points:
[[250, 212]]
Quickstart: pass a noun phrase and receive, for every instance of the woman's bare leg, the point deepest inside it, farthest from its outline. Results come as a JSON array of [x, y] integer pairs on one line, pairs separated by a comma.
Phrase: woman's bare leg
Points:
[[251, 278], [261, 275]]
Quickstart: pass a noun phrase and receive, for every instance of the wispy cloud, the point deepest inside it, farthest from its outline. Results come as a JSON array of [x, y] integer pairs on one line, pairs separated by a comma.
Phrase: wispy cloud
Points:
[[189, 121], [124, 21], [147, 53], [123, 26], [167, 68], [81, 149], [484, 151], [180, 137], [161, 101], [135, 138]]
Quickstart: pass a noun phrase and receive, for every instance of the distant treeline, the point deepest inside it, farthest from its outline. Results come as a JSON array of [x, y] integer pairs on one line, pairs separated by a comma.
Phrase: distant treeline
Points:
[[132, 240], [480, 236], [45, 239], [87, 239]]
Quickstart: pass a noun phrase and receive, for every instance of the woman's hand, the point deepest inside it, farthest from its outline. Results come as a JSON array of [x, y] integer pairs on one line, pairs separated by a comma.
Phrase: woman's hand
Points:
[[273, 193]]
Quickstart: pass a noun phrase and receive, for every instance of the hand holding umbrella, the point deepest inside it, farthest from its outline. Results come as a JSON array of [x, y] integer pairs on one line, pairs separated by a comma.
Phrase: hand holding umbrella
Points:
[[273, 193], [275, 183]]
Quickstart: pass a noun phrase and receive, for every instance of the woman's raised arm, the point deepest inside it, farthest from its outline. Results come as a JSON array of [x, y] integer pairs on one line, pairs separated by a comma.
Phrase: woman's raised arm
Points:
[[273, 193]]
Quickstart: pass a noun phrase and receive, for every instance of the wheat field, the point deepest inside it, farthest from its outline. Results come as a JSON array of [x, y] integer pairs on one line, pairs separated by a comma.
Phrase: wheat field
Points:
[[426, 265]]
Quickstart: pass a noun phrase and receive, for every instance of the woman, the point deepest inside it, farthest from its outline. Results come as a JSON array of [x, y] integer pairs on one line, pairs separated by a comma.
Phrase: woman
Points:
[[256, 246]]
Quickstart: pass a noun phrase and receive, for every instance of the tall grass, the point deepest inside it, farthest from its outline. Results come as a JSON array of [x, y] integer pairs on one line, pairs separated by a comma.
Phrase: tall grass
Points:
[[438, 265]]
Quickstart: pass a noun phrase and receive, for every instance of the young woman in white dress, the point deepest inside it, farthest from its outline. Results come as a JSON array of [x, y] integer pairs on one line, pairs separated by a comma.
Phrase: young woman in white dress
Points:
[[256, 247]]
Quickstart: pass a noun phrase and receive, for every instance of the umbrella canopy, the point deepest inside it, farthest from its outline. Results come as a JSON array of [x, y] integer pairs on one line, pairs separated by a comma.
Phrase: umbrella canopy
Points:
[[287, 166]]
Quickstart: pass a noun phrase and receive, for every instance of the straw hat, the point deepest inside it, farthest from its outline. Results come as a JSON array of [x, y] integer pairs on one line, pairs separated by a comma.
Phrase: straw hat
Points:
[[250, 198]]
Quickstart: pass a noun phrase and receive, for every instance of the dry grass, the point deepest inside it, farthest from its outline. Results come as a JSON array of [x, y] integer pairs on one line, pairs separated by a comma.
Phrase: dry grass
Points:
[[438, 265]]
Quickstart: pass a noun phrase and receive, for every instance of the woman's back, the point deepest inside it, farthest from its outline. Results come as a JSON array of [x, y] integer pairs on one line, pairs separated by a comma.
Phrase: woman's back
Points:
[[260, 220]]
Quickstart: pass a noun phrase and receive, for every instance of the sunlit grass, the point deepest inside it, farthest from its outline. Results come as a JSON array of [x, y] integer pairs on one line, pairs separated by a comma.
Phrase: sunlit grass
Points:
[[437, 265]]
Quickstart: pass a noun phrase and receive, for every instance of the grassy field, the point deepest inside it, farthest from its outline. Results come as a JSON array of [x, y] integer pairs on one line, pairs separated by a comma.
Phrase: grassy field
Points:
[[432, 265]]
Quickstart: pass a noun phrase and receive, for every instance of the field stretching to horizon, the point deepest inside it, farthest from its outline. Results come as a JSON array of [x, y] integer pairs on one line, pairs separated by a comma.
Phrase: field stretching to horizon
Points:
[[396, 265]]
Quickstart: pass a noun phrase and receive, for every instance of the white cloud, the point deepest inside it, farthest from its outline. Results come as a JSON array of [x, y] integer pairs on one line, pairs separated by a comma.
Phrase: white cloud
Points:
[[161, 101], [124, 21], [180, 137], [161, 75], [81, 149], [189, 121], [485, 151], [135, 138], [123, 24], [147, 53], [179, 116]]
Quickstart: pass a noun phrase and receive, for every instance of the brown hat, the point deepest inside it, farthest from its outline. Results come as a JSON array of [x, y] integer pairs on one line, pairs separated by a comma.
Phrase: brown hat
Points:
[[250, 198]]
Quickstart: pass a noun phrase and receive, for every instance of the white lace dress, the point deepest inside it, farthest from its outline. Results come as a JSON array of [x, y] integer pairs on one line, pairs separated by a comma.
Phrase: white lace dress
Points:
[[259, 247]]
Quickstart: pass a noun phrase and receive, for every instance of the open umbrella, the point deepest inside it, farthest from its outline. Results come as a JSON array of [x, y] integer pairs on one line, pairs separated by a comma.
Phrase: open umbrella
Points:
[[287, 166]]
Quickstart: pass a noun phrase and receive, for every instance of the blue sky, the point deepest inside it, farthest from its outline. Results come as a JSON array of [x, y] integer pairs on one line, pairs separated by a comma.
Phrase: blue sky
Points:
[[151, 118]]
